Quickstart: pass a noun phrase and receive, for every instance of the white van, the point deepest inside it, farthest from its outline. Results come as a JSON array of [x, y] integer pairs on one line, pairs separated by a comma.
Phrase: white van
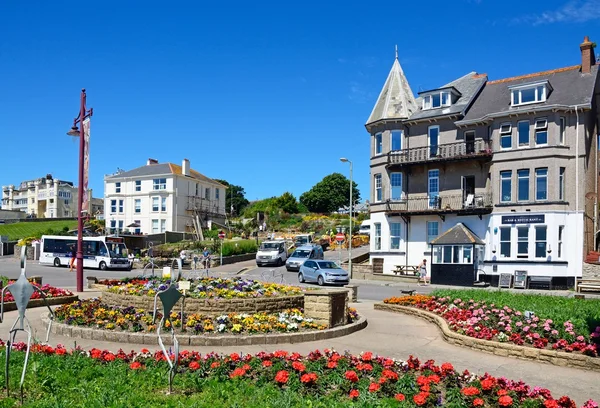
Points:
[[271, 253], [365, 228]]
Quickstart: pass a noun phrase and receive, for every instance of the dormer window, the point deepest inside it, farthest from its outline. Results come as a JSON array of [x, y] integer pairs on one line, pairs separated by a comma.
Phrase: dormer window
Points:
[[529, 93], [437, 100]]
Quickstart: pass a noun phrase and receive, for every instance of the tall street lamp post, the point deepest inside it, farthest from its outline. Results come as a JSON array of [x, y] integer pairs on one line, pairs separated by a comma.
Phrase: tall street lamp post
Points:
[[75, 131], [345, 160]]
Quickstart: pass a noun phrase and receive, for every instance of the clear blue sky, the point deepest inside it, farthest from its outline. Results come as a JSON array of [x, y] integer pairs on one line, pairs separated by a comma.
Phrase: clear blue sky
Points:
[[264, 95]]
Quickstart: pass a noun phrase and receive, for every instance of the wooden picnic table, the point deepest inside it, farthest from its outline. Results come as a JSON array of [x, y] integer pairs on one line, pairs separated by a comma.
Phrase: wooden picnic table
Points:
[[406, 270]]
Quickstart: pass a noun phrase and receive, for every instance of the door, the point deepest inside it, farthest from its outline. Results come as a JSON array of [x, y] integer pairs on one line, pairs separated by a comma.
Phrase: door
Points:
[[433, 188], [469, 142], [433, 140], [308, 271], [468, 190]]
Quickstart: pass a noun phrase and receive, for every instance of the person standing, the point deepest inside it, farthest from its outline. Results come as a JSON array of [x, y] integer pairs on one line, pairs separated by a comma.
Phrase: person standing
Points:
[[195, 258], [423, 273]]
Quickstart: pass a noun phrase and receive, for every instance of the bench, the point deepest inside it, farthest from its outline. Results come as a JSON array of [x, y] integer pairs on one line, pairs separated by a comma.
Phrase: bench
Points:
[[406, 270], [587, 285], [540, 282]]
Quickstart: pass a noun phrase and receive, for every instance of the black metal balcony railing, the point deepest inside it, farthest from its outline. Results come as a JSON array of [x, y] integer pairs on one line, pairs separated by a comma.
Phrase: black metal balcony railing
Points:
[[475, 203], [448, 151]]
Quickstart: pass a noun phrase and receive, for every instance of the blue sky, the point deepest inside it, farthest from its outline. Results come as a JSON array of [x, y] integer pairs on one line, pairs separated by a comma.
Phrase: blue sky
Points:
[[266, 95]]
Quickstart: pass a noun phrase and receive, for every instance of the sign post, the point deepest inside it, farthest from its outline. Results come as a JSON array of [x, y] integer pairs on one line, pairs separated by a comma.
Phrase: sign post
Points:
[[221, 237], [339, 237]]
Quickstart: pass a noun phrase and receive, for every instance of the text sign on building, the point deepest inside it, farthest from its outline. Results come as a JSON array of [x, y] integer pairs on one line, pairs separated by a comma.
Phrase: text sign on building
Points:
[[524, 219]]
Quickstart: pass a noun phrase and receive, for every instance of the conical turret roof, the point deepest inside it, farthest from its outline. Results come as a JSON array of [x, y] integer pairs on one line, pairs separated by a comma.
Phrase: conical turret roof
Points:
[[396, 100]]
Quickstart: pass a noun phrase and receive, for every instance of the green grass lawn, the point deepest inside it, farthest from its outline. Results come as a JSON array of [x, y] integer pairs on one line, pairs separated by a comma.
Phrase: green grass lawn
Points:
[[34, 229]]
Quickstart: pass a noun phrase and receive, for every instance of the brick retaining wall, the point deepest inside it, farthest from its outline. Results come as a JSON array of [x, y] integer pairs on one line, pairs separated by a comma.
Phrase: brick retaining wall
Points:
[[211, 307], [558, 358]]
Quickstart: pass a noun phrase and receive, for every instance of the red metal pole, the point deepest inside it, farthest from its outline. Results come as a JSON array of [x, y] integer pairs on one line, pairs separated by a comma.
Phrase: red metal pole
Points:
[[79, 256]]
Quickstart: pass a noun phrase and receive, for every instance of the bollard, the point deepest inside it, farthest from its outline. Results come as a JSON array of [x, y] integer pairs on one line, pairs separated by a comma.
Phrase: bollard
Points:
[[91, 280]]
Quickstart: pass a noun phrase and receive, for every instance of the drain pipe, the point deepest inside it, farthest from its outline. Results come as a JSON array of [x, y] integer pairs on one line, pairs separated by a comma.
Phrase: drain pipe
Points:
[[577, 171]]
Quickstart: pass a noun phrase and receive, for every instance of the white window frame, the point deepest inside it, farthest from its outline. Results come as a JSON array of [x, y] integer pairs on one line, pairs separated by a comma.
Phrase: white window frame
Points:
[[155, 226], [121, 206], [137, 205], [155, 204], [506, 243], [430, 235], [506, 133], [509, 178], [541, 125], [377, 235], [456, 253], [163, 204], [163, 225], [540, 241], [378, 188], [539, 97], [428, 100], [159, 184], [562, 130], [113, 206], [394, 238], [378, 144], [519, 145], [207, 193], [536, 183], [392, 197], [561, 233], [138, 185], [521, 239], [562, 187], [118, 187], [519, 184], [433, 174]]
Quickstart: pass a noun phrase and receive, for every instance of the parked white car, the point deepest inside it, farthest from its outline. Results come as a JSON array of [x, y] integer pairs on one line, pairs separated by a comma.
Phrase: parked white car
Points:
[[365, 228], [271, 253]]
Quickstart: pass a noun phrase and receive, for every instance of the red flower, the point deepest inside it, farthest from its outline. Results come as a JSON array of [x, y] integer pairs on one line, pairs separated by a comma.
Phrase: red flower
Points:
[[280, 354], [135, 365], [282, 377], [298, 366], [61, 351], [502, 392], [487, 384], [389, 374], [400, 397], [354, 394], [367, 356], [447, 367], [145, 350], [478, 402], [234, 356], [505, 401], [421, 398], [422, 380], [309, 378], [373, 387], [95, 353], [470, 391], [434, 378], [214, 364], [246, 367], [238, 372], [194, 365], [551, 403], [267, 363], [566, 402], [331, 364], [351, 376], [109, 357]]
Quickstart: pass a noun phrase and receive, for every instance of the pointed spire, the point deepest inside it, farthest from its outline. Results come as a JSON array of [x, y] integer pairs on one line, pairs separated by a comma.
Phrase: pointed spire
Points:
[[396, 100]]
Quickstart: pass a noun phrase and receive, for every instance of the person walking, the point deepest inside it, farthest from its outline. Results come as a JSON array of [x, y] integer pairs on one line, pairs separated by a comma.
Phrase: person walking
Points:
[[72, 264], [423, 273], [206, 259], [195, 258]]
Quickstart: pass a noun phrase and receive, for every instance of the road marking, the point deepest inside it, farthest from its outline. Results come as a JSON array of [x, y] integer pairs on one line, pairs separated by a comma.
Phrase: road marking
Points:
[[246, 270]]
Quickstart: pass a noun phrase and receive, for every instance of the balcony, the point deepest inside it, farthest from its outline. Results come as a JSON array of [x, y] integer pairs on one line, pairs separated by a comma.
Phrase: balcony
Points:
[[476, 149], [461, 204]]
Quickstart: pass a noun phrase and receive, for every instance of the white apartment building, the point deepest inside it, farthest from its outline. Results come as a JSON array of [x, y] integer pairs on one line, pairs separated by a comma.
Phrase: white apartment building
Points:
[[45, 197], [160, 197]]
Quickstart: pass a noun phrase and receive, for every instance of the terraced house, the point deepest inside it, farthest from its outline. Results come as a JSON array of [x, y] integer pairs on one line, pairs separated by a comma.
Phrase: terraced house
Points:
[[487, 177]]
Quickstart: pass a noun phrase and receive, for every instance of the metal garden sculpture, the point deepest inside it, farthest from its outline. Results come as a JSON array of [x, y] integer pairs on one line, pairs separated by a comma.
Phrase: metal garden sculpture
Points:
[[169, 298], [21, 291]]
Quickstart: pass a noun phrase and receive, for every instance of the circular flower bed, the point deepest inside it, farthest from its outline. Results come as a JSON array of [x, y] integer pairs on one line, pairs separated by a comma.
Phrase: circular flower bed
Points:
[[328, 376], [204, 288], [49, 291], [93, 313], [501, 323]]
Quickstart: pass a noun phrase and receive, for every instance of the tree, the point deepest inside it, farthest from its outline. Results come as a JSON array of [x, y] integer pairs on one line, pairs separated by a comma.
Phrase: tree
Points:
[[234, 195], [287, 202], [330, 194]]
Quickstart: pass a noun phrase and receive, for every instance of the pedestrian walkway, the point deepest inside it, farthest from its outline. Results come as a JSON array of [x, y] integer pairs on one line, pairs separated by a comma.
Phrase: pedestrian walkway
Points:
[[391, 335]]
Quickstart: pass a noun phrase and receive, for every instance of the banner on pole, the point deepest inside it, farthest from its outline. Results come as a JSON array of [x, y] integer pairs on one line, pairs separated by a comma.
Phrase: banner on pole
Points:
[[85, 206]]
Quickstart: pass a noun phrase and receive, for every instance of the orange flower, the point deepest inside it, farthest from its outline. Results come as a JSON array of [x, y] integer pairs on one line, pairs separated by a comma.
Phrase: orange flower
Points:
[[478, 402], [109, 357], [470, 391], [282, 377], [238, 372], [298, 366], [421, 398], [331, 364], [194, 365], [354, 394], [267, 363], [505, 401], [400, 397], [136, 365], [487, 384], [374, 387], [309, 378], [214, 364], [351, 376]]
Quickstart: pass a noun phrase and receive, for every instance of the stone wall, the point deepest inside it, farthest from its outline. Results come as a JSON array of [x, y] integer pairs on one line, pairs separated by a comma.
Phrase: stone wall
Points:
[[591, 271], [327, 307], [29, 251], [558, 358], [211, 307]]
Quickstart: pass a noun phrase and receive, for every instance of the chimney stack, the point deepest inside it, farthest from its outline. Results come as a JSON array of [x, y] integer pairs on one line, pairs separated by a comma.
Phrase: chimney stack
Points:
[[588, 59], [185, 167], [151, 162]]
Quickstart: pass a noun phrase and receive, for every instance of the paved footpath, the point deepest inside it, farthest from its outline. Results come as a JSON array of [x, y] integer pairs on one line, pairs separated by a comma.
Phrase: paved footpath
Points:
[[392, 335]]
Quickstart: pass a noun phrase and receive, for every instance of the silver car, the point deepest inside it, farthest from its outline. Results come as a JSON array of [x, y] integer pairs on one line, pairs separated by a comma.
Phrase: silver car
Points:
[[301, 254], [322, 272]]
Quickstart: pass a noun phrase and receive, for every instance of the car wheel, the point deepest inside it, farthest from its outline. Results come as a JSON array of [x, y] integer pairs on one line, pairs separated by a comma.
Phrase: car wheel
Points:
[[56, 262], [320, 280], [287, 269], [300, 278], [102, 266]]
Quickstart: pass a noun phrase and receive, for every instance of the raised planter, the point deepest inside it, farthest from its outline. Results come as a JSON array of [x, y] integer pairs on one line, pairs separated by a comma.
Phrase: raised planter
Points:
[[8, 306], [204, 340], [558, 358], [211, 307]]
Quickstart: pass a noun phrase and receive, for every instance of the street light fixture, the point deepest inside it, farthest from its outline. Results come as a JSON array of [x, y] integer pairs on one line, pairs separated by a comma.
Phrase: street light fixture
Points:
[[79, 131], [345, 160]]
